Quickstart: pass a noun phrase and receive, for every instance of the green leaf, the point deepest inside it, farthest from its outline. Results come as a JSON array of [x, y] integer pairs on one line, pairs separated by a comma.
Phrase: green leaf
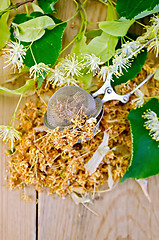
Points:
[[80, 47], [131, 72], [40, 81], [156, 76], [146, 12], [47, 5], [93, 33], [33, 29], [103, 46], [45, 49], [131, 9], [4, 29], [116, 28], [145, 157], [27, 86]]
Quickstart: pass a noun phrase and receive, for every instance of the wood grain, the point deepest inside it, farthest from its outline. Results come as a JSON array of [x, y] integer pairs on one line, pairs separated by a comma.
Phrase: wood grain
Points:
[[17, 218], [124, 213]]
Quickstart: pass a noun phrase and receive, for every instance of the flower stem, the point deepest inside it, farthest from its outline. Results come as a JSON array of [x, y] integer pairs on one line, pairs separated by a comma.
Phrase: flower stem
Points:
[[80, 9], [32, 55], [69, 44], [14, 114], [15, 6], [129, 38], [151, 97], [26, 8], [141, 24]]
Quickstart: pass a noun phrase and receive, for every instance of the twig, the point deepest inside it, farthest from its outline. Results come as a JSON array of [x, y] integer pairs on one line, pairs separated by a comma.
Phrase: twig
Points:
[[15, 6]]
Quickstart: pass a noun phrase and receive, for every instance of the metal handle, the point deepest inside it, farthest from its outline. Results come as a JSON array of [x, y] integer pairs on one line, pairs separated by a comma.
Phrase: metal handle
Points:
[[110, 94]]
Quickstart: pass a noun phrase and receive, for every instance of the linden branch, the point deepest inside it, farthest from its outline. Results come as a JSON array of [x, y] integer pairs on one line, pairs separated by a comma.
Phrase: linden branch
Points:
[[15, 6]]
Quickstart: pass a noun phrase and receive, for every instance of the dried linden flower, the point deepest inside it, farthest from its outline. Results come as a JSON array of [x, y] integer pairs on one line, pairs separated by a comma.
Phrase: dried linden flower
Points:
[[98, 156]]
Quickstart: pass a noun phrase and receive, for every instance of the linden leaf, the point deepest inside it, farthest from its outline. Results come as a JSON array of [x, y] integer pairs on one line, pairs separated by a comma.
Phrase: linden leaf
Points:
[[116, 28], [46, 49], [33, 29], [145, 154], [103, 46], [4, 30], [146, 12], [40, 81], [137, 8], [27, 86], [47, 5]]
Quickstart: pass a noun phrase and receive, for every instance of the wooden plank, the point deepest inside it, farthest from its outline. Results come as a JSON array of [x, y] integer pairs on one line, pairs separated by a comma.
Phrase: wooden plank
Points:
[[17, 218], [124, 213]]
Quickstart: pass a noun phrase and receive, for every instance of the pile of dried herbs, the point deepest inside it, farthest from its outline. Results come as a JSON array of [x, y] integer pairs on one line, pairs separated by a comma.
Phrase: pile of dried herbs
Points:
[[54, 160]]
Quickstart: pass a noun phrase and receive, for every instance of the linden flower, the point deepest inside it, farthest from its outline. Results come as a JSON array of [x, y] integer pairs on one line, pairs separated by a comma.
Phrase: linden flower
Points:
[[15, 54], [92, 62], [106, 73], [152, 124], [56, 77], [70, 81], [129, 48], [9, 134], [120, 63], [39, 70], [152, 33], [140, 100], [72, 66], [154, 46], [155, 24]]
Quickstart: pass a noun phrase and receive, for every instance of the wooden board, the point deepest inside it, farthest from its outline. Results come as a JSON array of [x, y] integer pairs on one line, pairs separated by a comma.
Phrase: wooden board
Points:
[[124, 213], [17, 218]]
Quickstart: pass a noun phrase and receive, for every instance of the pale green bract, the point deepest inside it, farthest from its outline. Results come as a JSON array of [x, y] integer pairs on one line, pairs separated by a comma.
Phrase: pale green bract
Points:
[[116, 28], [80, 47], [36, 8], [111, 13], [4, 4], [156, 76], [29, 85], [103, 46], [33, 29]]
